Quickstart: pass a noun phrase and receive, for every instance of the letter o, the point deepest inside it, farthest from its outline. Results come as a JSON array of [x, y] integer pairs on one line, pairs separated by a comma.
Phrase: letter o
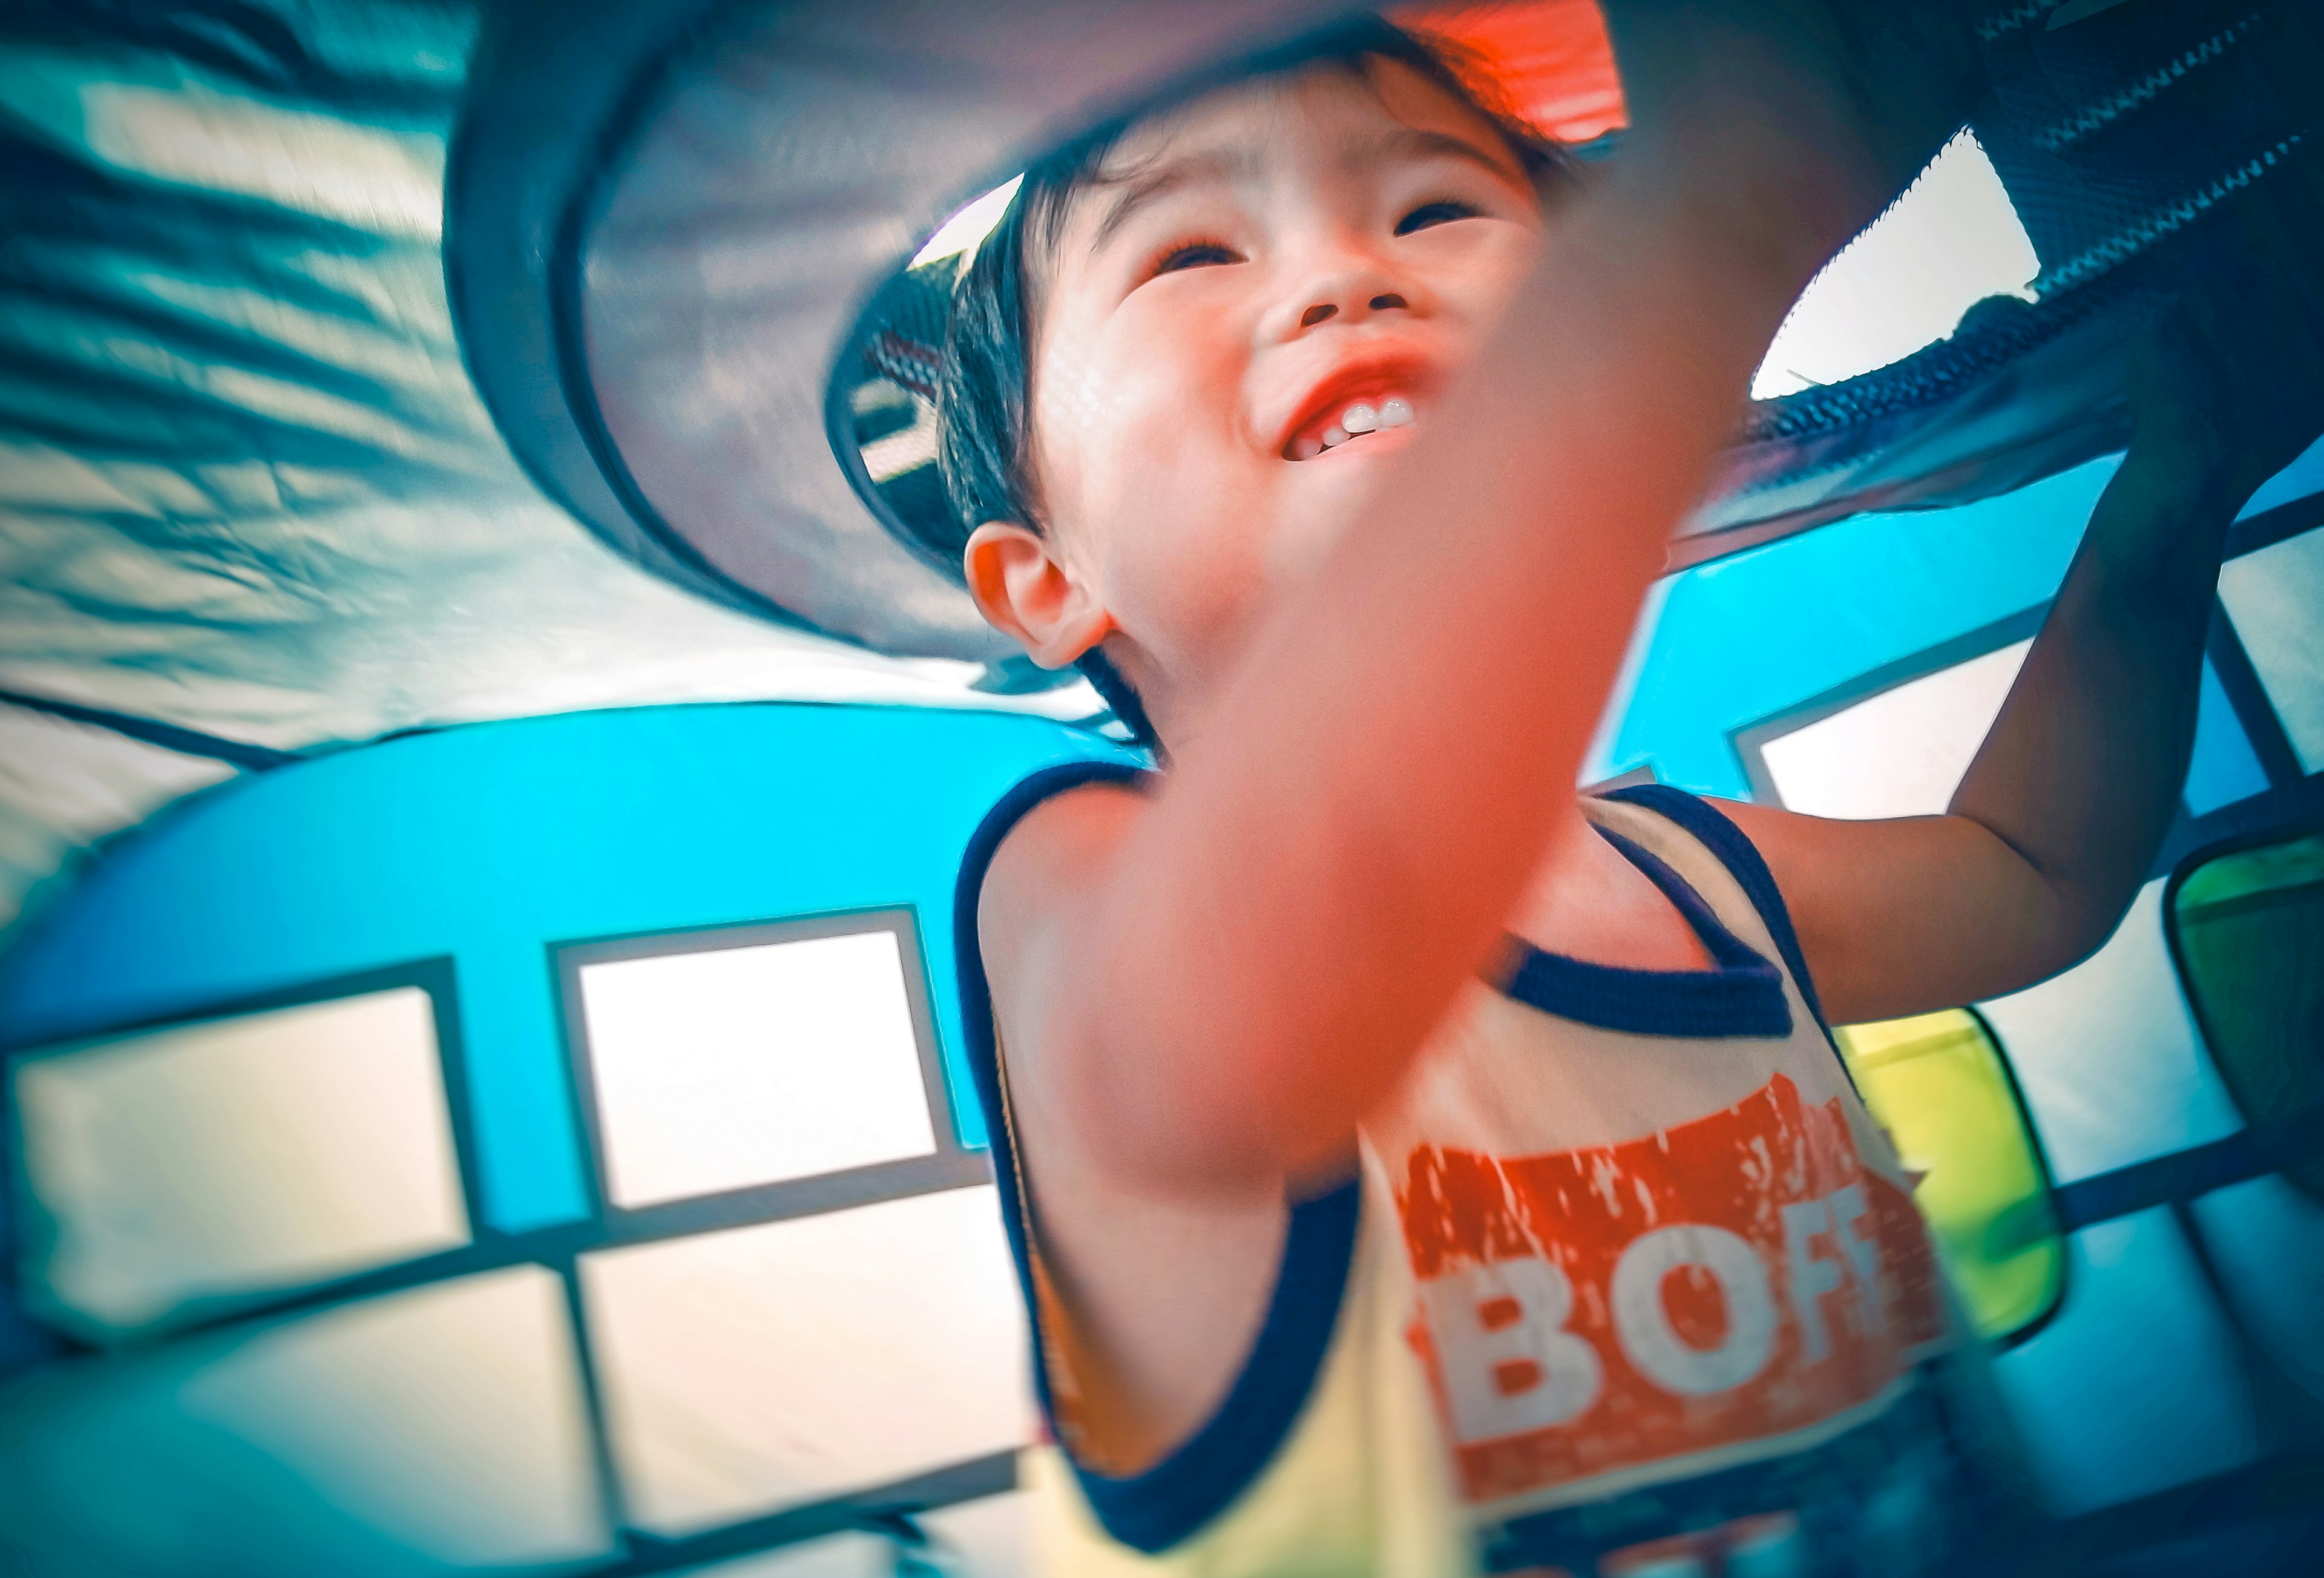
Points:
[[1643, 1326]]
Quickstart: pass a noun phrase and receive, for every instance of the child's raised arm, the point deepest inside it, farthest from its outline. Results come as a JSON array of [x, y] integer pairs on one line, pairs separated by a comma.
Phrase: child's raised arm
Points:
[[1216, 981], [2051, 833]]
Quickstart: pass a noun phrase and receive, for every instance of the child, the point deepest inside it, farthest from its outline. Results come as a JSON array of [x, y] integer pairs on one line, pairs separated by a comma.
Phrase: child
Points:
[[1412, 1168]]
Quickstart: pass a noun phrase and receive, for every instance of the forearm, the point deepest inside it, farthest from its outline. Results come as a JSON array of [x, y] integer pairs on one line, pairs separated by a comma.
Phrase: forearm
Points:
[[1340, 843], [2081, 772]]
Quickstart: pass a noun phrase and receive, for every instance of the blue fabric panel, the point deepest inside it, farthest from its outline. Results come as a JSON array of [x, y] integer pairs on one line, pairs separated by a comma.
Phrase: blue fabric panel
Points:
[[2266, 1240], [2304, 476], [2136, 1386], [493, 843], [1813, 611], [2224, 768]]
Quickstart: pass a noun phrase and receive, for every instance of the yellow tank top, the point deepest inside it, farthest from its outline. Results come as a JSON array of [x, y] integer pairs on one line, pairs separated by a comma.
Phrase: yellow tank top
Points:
[[1629, 1285]]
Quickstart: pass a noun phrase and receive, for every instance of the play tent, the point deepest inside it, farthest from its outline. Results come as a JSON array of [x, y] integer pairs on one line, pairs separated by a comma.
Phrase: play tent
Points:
[[481, 788]]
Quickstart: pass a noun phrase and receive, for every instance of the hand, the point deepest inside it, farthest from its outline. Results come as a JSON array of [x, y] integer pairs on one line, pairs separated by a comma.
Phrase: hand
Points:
[[1850, 98], [2227, 388]]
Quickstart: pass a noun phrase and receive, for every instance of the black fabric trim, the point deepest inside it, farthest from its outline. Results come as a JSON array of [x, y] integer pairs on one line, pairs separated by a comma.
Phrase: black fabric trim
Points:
[[1156, 1510], [154, 732], [1711, 829], [2182, 1176], [1743, 995]]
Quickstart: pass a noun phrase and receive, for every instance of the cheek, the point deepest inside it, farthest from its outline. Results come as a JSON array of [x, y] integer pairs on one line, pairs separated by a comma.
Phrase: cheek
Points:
[[1479, 271], [1168, 496], [1188, 556], [1507, 255]]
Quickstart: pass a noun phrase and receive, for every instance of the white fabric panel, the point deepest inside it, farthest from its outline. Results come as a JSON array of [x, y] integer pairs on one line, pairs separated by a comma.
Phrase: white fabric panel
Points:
[[991, 1537], [2137, 1385], [298, 525], [2276, 599], [1952, 239], [450, 1417], [2268, 1239], [64, 785], [1900, 752], [260, 1151], [2108, 1056], [734, 1067], [985, 1539], [750, 1370], [841, 1555]]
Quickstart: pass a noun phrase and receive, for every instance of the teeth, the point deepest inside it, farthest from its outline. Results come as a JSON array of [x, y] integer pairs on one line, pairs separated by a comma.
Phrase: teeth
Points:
[[1362, 416]]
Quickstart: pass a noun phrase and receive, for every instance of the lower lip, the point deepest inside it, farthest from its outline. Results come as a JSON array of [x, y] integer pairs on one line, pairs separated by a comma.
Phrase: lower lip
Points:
[[1381, 440]]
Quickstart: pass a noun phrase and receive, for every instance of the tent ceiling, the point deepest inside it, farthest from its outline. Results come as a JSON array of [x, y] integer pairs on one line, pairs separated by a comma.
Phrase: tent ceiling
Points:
[[246, 486], [665, 234]]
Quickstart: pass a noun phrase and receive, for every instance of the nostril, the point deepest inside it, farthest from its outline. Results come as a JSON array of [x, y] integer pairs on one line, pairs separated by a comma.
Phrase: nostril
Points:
[[1382, 303], [1317, 314]]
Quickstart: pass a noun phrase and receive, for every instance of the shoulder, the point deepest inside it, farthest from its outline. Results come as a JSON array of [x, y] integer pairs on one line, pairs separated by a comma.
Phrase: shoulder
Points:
[[1054, 849], [1043, 844]]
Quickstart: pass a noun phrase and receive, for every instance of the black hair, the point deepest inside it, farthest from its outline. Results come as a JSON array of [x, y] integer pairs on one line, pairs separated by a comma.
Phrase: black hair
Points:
[[985, 390]]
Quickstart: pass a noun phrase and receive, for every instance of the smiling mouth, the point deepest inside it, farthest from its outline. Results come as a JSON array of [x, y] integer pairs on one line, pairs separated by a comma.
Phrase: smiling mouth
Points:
[[1348, 424]]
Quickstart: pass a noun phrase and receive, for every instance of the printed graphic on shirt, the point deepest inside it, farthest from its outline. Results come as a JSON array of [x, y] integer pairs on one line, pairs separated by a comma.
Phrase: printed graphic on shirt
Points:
[[1733, 1279]]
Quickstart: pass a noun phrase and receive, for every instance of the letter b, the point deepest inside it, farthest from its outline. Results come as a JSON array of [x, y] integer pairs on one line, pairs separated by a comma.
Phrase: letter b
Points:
[[1508, 1363]]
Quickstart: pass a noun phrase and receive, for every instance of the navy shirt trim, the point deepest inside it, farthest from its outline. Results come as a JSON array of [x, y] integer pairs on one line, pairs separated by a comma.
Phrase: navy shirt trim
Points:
[[1157, 1508], [1742, 995]]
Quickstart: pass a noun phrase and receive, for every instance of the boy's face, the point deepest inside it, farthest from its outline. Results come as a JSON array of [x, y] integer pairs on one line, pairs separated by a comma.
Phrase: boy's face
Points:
[[1243, 275]]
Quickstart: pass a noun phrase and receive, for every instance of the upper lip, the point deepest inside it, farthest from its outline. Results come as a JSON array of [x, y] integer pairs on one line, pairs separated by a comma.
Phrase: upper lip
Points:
[[1383, 372]]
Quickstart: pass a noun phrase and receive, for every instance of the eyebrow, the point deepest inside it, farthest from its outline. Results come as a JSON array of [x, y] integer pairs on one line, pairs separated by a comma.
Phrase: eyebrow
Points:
[[1419, 142], [1143, 187]]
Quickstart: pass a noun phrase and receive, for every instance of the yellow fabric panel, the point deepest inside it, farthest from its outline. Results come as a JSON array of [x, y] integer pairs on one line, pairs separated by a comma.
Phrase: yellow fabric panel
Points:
[[1937, 1082]]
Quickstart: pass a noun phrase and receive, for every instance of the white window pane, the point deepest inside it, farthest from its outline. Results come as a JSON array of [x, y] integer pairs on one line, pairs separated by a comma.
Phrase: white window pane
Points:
[[449, 1417], [1900, 752], [2276, 599], [2108, 1056], [753, 1369], [735, 1066], [267, 1150]]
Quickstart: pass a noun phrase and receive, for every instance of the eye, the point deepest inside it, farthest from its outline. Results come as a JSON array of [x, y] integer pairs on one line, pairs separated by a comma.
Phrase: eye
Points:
[[1195, 254], [1437, 213]]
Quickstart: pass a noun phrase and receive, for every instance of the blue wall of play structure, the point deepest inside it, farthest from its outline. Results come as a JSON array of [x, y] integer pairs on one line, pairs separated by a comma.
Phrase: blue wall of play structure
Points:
[[490, 843], [1741, 639]]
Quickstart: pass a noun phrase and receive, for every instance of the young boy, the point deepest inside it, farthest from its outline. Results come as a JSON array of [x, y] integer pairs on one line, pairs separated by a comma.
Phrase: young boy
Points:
[[1414, 1168]]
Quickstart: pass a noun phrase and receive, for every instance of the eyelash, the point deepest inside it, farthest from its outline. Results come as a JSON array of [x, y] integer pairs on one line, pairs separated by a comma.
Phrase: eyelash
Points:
[[1177, 257], [1442, 212], [1191, 253]]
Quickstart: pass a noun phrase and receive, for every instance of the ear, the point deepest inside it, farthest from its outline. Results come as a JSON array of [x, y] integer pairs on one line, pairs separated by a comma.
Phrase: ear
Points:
[[1022, 590]]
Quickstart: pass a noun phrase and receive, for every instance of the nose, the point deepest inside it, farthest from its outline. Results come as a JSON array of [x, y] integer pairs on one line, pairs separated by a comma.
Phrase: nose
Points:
[[1348, 286], [1386, 302]]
